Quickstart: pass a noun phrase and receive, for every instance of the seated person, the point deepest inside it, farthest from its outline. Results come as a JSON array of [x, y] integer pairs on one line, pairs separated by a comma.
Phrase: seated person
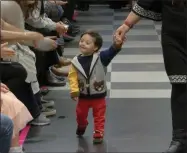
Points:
[[17, 112], [6, 131]]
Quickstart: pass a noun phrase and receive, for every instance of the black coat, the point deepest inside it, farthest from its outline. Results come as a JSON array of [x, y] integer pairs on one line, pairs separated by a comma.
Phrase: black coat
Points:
[[174, 34]]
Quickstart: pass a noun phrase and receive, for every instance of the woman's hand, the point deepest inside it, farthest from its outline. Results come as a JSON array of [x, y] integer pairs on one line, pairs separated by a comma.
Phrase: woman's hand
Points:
[[121, 32], [35, 36], [52, 42], [61, 2], [6, 52], [60, 28], [47, 44], [4, 88]]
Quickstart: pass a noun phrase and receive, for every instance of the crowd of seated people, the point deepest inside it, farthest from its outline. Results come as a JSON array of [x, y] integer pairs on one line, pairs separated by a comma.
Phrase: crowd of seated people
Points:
[[33, 38]]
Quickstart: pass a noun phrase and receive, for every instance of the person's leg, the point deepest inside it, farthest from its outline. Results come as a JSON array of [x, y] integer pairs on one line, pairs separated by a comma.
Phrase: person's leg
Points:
[[99, 110], [45, 110], [69, 9], [40, 120], [179, 118], [81, 116], [6, 131], [15, 147], [53, 11], [14, 75], [43, 63], [175, 60]]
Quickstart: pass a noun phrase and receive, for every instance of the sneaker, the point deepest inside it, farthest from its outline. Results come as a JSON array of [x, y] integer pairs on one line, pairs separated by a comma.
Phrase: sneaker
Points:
[[53, 81], [98, 137], [80, 130], [16, 150], [48, 111], [47, 103], [41, 121]]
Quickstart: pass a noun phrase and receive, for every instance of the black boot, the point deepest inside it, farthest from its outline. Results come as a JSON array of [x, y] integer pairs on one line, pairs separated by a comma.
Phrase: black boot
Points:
[[179, 142]]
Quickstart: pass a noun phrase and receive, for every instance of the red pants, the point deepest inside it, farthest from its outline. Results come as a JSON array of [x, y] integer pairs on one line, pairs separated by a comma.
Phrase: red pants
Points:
[[99, 108]]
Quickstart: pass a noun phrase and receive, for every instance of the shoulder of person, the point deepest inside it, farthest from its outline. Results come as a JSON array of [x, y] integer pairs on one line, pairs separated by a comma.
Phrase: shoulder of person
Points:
[[10, 7], [10, 4]]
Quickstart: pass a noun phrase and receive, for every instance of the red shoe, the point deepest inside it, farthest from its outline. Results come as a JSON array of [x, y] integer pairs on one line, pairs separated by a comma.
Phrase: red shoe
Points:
[[80, 130], [98, 137]]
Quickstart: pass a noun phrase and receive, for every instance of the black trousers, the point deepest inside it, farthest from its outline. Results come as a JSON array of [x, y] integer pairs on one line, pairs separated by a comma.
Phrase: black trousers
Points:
[[69, 9], [14, 75], [45, 59], [179, 107]]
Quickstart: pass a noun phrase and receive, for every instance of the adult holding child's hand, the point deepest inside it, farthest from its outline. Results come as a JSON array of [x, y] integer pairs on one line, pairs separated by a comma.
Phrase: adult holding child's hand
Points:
[[172, 13]]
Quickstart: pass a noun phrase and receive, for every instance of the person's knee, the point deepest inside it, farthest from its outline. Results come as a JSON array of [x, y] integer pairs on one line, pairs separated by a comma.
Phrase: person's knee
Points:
[[6, 125], [21, 71]]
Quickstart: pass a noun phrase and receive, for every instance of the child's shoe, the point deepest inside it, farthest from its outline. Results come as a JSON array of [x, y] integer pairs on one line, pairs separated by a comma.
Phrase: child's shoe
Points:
[[80, 130], [98, 137]]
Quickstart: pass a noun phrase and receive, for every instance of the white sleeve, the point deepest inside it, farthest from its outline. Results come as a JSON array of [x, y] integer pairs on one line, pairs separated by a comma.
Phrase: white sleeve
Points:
[[37, 21]]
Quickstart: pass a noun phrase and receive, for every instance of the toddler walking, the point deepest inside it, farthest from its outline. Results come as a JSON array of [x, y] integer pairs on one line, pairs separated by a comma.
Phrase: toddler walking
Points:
[[87, 79]]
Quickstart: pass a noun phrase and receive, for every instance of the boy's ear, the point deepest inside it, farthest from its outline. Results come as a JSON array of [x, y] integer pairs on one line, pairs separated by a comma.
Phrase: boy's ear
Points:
[[96, 48]]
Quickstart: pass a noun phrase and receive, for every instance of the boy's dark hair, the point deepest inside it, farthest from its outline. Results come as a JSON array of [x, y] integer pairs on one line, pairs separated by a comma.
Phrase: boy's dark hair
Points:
[[98, 39]]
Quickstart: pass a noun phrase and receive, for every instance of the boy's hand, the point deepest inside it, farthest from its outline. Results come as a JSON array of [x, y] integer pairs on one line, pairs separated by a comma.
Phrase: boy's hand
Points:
[[118, 42], [75, 98]]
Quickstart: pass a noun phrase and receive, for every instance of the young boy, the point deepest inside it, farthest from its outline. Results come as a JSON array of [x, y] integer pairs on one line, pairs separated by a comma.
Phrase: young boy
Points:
[[87, 79]]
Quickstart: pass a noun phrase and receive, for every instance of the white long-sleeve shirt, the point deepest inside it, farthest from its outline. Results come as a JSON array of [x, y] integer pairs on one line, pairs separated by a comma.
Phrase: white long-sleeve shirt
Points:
[[37, 21], [24, 55]]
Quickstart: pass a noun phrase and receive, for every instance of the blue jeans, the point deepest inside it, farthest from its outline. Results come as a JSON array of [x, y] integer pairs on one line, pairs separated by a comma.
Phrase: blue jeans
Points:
[[6, 131]]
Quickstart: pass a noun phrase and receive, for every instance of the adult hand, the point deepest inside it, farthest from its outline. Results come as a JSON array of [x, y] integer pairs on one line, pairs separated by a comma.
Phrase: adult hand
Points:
[[47, 44], [4, 88], [57, 2], [35, 35], [52, 42], [121, 31], [60, 28], [6, 52], [52, 37], [61, 2]]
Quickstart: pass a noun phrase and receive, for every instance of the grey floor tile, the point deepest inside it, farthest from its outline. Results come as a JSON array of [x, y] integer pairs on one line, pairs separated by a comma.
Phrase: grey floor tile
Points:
[[140, 85], [140, 27], [141, 44], [130, 134], [96, 13], [142, 38], [141, 51], [121, 67], [95, 23]]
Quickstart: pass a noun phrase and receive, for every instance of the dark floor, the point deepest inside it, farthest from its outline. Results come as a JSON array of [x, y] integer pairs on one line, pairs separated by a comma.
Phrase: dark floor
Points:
[[138, 113], [133, 125]]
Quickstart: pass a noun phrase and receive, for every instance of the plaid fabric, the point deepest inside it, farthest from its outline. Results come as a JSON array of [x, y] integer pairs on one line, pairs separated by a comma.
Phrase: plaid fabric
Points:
[[53, 11]]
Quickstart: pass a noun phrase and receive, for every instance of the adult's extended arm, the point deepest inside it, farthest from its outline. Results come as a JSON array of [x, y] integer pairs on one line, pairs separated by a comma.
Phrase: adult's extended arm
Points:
[[12, 33], [11, 36], [150, 9]]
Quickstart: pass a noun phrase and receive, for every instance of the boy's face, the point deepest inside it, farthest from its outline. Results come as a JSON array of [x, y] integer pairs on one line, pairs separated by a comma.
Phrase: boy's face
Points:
[[87, 45]]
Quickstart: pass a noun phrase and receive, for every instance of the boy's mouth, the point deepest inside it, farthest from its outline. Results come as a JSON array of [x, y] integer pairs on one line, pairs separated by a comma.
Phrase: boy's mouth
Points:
[[81, 47]]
